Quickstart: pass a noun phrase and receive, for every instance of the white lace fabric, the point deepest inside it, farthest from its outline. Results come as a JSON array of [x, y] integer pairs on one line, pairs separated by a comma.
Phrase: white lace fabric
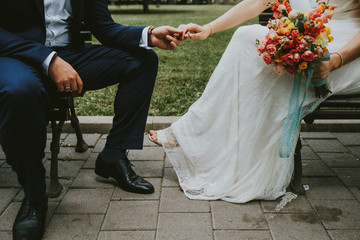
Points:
[[227, 145]]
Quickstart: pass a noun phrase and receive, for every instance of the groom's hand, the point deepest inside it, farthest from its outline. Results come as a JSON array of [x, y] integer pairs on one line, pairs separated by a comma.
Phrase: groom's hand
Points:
[[164, 37]]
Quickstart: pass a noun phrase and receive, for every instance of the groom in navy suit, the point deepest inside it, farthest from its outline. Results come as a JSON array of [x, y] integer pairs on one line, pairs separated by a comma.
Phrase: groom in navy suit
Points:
[[41, 47]]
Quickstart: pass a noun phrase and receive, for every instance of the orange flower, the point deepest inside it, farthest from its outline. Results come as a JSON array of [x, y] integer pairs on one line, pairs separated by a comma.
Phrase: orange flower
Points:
[[332, 7], [330, 14]]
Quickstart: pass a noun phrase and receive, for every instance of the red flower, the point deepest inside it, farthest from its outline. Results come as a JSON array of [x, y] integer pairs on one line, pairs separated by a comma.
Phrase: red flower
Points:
[[308, 56], [271, 48], [288, 58], [297, 57], [295, 33], [261, 49], [267, 59]]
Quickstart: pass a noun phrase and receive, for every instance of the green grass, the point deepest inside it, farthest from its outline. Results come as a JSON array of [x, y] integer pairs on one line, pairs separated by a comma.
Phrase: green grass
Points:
[[183, 73]]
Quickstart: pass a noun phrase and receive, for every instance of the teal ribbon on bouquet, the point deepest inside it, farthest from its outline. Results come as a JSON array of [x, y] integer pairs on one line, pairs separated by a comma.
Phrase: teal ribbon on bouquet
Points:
[[294, 112]]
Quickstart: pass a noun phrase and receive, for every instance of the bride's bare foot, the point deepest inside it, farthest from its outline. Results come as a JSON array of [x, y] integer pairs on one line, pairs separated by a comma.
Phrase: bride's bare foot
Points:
[[153, 137]]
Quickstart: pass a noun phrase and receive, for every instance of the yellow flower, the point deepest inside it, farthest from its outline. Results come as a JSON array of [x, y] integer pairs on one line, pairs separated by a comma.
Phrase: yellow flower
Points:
[[322, 40], [331, 38], [303, 65], [290, 26], [328, 31], [325, 50], [300, 36]]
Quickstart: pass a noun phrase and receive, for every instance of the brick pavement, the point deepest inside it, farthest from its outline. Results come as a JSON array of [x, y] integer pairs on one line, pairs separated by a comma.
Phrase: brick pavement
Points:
[[94, 208]]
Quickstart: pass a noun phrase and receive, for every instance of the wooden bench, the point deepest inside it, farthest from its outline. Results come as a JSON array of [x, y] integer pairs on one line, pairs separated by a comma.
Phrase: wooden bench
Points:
[[62, 109], [334, 107]]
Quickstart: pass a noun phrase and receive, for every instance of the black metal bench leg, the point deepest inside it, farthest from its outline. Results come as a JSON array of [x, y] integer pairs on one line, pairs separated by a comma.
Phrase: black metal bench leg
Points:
[[81, 145], [55, 186], [296, 183]]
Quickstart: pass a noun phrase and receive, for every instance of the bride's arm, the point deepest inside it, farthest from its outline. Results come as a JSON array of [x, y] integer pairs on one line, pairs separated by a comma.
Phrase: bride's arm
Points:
[[240, 13], [348, 53]]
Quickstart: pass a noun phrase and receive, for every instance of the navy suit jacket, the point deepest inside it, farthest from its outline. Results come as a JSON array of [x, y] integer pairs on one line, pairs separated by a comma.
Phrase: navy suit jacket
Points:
[[22, 28]]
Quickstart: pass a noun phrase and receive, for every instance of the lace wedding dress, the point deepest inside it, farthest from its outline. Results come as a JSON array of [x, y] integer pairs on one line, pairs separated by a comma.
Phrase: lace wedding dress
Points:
[[227, 145]]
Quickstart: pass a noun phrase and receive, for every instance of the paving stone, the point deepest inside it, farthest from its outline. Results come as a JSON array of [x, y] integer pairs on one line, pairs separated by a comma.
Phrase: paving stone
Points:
[[167, 162], [90, 139], [349, 176], [338, 214], [296, 227], [88, 179], [238, 216], [148, 168], [6, 236], [298, 205], [326, 188], [316, 135], [340, 159], [88, 201], [348, 138], [6, 165], [7, 195], [8, 178], [66, 169], [64, 182], [170, 179], [69, 153], [2, 162], [303, 141], [131, 215], [316, 168], [62, 136], [147, 153], [308, 153], [174, 200], [126, 235], [356, 192], [163, 122], [90, 162], [104, 136], [355, 150], [75, 227], [344, 234], [47, 146], [120, 194], [99, 145], [8, 216], [321, 145], [184, 226], [242, 235], [2, 155]]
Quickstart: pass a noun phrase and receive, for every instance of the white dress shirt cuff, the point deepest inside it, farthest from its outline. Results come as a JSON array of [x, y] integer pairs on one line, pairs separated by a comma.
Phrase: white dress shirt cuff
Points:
[[144, 39], [47, 61]]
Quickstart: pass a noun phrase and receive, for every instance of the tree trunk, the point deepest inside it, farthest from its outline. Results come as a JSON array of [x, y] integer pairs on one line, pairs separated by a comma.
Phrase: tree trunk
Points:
[[146, 6]]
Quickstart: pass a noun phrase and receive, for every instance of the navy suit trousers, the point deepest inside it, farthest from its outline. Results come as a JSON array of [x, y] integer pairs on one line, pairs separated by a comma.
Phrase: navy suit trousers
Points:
[[24, 103]]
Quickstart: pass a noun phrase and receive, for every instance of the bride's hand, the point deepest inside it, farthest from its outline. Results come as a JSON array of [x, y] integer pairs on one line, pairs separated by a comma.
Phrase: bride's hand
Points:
[[323, 69], [195, 31]]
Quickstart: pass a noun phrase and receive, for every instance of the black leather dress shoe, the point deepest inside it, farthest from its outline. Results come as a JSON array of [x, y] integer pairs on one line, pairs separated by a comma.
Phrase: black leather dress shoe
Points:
[[122, 172], [30, 221]]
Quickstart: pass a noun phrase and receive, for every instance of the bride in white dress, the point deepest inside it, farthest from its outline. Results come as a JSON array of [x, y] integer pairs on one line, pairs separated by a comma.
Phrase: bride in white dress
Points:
[[227, 145]]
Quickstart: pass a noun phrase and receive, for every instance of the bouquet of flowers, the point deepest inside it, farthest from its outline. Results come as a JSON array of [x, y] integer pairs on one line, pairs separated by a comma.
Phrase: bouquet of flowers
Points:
[[296, 40]]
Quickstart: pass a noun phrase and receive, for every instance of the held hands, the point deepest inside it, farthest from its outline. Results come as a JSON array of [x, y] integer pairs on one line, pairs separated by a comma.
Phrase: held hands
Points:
[[64, 76], [164, 37], [195, 31]]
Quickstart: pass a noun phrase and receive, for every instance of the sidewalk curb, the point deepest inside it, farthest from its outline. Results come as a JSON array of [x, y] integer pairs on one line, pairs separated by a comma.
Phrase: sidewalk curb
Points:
[[103, 124]]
